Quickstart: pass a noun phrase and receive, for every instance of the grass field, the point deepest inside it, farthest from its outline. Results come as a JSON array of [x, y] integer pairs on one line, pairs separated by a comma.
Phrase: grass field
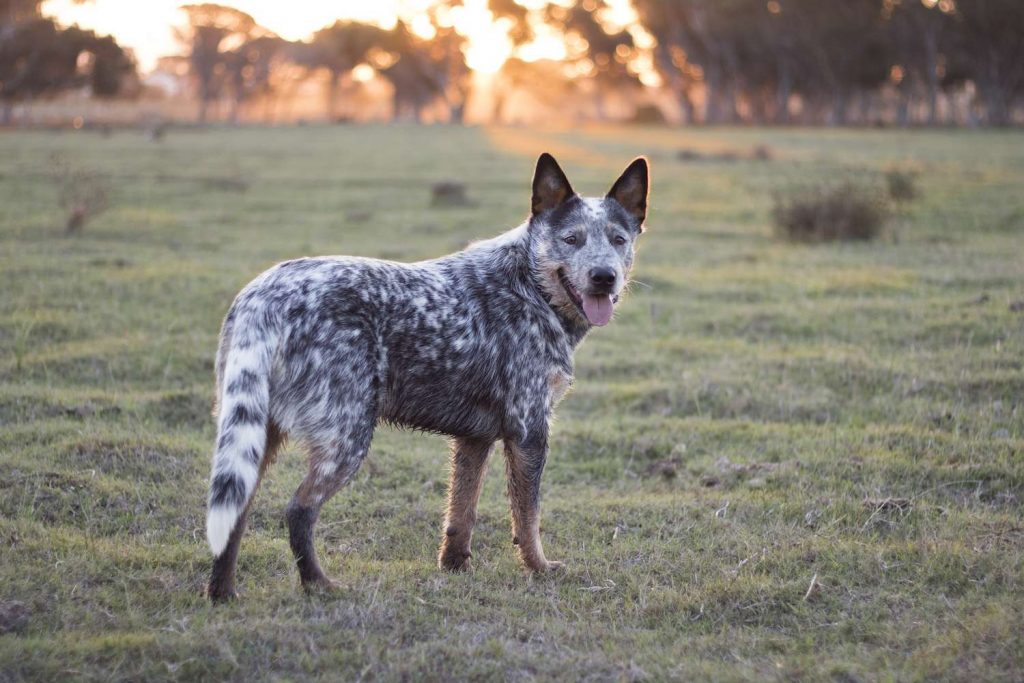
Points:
[[759, 417]]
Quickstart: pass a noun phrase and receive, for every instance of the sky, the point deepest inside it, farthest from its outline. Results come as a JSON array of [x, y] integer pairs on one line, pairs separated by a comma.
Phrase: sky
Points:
[[145, 25]]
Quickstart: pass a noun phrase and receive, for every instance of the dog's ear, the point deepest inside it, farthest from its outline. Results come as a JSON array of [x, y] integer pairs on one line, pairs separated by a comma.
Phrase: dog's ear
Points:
[[550, 186], [630, 190]]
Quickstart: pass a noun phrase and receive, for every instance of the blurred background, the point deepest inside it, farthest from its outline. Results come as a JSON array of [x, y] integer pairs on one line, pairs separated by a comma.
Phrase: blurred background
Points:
[[809, 62]]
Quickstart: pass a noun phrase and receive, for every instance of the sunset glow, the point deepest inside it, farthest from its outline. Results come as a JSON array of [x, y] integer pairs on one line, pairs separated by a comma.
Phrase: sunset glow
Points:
[[147, 27]]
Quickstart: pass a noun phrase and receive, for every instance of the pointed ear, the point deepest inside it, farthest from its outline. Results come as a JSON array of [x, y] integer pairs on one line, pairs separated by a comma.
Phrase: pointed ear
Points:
[[550, 186], [630, 190]]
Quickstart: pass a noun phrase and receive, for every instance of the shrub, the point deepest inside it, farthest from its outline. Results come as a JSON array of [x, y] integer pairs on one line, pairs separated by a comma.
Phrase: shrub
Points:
[[902, 185], [82, 193], [449, 193], [826, 214]]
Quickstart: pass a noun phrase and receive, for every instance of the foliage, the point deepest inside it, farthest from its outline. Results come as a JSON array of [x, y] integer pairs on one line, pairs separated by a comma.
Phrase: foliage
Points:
[[39, 58], [902, 185], [833, 53], [846, 211], [211, 29], [82, 193]]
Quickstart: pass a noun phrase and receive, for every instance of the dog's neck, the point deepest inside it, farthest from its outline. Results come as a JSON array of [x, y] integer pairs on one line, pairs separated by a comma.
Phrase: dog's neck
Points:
[[573, 324], [514, 255]]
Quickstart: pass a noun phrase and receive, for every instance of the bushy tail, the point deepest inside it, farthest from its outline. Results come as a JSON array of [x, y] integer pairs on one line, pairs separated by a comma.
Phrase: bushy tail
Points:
[[242, 418]]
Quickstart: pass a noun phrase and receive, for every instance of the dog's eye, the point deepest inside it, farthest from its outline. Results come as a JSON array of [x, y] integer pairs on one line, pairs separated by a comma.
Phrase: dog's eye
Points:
[[569, 239], [618, 240]]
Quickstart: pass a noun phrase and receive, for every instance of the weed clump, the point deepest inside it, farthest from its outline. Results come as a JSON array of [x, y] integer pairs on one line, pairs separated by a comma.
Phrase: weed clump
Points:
[[449, 193], [845, 212], [82, 193], [902, 186]]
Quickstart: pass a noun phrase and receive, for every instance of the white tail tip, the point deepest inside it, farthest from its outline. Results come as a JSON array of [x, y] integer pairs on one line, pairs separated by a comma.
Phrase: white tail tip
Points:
[[220, 522]]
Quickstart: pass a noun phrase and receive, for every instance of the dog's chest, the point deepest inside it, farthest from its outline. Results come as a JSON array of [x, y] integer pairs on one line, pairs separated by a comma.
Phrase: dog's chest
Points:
[[559, 382]]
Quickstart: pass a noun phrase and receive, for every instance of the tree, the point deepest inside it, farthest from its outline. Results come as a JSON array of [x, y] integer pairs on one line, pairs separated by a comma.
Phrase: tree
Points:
[[39, 58], [545, 81], [339, 49], [17, 11], [992, 36], [415, 71], [920, 35], [599, 56], [211, 30], [248, 69]]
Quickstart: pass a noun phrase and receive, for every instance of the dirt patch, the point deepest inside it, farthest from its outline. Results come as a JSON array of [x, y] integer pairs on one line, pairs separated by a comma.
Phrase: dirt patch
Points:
[[53, 497], [183, 409], [132, 460], [666, 469], [448, 193], [14, 616], [888, 504], [17, 409]]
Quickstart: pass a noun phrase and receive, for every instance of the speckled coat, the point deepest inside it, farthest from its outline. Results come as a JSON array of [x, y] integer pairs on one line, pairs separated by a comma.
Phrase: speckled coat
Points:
[[476, 345]]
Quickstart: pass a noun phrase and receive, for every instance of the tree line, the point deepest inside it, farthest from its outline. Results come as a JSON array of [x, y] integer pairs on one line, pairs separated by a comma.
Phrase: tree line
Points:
[[750, 59], [719, 61]]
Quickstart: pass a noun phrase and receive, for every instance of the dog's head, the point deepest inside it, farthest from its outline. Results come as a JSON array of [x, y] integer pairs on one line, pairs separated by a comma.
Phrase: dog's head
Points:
[[583, 246]]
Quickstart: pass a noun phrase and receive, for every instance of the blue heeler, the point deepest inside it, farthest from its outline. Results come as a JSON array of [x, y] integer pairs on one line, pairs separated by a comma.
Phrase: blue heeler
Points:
[[476, 345]]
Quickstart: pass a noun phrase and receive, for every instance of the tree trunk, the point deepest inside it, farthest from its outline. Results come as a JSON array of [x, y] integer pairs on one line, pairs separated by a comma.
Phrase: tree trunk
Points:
[[996, 107], [712, 110], [783, 90], [686, 104], [903, 109], [931, 76], [498, 114], [838, 117], [331, 95]]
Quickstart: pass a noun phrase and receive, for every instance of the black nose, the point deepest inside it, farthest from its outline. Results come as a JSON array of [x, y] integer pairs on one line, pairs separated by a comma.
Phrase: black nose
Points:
[[602, 277]]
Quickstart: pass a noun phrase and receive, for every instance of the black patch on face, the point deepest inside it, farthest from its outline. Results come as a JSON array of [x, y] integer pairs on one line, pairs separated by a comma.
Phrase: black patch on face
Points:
[[619, 216]]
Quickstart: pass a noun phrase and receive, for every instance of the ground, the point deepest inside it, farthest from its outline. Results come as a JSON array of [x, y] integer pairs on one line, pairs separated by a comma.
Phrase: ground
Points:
[[779, 462]]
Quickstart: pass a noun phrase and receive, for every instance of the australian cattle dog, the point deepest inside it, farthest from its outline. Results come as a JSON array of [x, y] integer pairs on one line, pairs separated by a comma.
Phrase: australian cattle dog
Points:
[[477, 345]]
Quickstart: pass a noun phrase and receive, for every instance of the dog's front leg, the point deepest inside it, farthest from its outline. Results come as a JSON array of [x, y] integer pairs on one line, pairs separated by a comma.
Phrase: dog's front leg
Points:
[[468, 464], [525, 463]]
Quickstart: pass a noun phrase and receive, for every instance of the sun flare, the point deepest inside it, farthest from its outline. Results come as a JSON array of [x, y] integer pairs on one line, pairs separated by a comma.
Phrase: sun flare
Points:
[[147, 27]]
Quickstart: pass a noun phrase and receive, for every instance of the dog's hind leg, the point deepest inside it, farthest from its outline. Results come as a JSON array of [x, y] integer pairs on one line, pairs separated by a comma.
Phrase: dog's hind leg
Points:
[[332, 465], [468, 465]]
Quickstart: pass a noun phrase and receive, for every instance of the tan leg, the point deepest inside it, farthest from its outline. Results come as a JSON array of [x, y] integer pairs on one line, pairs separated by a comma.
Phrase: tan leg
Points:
[[468, 465], [524, 469]]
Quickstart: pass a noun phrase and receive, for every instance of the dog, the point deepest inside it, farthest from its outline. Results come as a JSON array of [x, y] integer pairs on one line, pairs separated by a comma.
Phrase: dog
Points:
[[477, 345]]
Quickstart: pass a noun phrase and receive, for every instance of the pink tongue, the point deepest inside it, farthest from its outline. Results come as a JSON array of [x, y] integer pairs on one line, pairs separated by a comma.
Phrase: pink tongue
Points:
[[598, 308]]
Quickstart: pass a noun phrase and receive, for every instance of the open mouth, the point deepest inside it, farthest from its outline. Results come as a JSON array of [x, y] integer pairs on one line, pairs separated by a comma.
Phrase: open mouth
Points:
[[597, 308]]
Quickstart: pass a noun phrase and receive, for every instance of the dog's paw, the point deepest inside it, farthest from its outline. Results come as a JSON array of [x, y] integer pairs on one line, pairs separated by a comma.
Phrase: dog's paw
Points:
[[321, 584], [219, 595], [545, 567], [454, 561]]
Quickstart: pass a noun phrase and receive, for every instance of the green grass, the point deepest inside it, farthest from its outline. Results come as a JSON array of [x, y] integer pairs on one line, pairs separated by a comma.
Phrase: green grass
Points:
[[729, 438]]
